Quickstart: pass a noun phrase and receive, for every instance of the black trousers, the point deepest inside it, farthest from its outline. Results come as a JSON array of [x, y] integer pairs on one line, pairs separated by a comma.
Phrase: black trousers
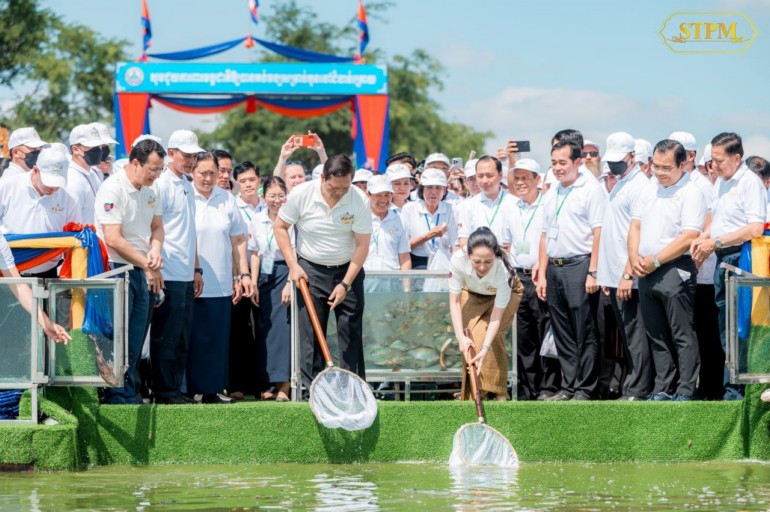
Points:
[[170, 338], [572, 312], [243, 359], [612, 368], [349, 315], [667, 297], [636, 347], [537, 374], [712, 357]]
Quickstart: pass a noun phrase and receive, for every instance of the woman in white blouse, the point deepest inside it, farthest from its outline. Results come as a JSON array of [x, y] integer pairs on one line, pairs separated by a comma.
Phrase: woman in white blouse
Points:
[[484, 294], [272, 296], [221, 242]]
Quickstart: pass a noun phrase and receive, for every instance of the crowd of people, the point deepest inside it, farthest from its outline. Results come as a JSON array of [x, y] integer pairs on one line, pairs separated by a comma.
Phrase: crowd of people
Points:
[[607, 258]]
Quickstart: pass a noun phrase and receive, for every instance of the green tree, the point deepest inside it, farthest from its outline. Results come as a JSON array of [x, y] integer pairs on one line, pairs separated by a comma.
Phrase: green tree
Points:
[[415, 117], [67, 79]]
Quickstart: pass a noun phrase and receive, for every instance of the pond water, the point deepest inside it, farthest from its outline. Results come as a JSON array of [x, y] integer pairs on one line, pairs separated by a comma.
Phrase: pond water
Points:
[[584, 487]]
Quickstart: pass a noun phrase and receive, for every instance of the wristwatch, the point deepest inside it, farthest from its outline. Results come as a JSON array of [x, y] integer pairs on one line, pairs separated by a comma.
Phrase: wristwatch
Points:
[[347, 286], [718, 243], [198, 270], [244, 275], [592, 273], [655, 261], [627, 276]]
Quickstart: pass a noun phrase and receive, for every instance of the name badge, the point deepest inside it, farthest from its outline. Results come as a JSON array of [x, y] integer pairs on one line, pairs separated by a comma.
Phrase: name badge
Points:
[[553, 232], [521, 247], [267, 265]]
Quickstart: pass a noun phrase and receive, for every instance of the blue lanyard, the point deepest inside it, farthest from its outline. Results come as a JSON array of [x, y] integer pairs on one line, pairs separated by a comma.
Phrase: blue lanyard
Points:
[[427, 221]]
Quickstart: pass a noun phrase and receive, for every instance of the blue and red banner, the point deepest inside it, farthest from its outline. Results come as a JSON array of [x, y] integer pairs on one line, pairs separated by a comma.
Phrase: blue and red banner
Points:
[[146, 31], [254, 11], [363, 38]]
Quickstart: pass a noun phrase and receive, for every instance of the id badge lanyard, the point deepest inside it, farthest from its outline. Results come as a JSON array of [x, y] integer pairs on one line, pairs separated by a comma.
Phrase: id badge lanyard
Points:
[[532, 216], [427, 221], [497, 209]]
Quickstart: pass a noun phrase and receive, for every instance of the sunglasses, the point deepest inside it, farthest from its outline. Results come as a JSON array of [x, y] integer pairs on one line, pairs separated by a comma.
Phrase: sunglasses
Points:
[[593, 154]]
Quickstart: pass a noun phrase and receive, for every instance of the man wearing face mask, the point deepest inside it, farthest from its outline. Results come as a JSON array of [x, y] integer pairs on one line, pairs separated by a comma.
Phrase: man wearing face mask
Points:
[[104, 168], [614, 274], [83, 180], [24, 146]]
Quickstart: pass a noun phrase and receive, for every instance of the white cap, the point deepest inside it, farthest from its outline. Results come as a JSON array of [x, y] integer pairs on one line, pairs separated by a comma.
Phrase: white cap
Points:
[[640, 150], [589, 142], [619, 144], [185, 141], [318, 170], [528, 164], [647, 146], [362, 175], [86, 135], [104, 134], [706, 156], [379, 183], [685, 139], [433, 177], [53, 164], [146, 136], [436, 157], [25, 137], [398, 172], [470, 168]]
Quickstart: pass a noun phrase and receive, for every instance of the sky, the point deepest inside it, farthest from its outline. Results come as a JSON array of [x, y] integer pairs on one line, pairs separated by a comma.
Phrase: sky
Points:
[[522, 69]]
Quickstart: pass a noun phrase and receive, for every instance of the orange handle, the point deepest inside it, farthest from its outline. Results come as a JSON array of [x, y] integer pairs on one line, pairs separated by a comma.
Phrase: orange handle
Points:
[[314, 320], [474, 379]]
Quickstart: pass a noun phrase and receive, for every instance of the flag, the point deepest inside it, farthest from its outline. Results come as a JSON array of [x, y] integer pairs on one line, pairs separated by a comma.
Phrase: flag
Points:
[[146, 30], [254, 10], [363, 39]]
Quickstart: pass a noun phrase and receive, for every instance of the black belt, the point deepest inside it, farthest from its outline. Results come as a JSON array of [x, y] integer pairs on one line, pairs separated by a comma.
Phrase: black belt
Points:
[[560, 262], [524, 271], [330, 267], [726, 251]]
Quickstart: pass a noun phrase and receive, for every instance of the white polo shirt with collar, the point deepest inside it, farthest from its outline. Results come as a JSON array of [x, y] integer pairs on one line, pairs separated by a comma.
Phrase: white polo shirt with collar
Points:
[[495, 282], [119, 202], [6, 256], [12, 170], [216, 220], [571, 214], [389, 240], [522, 232], [24, 211], [247, 211], [325, 236], [82, 185], [736, 202], [262, 237], [418, 221], [664, 212], [177, 201], [707, 268], [479, 210], [613, 245]]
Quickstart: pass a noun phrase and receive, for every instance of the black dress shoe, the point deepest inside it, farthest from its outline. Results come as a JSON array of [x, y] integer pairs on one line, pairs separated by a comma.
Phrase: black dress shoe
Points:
[[216, 399], [188, 399], [561, 396], [171, 400], [544, 395], [581, 396]]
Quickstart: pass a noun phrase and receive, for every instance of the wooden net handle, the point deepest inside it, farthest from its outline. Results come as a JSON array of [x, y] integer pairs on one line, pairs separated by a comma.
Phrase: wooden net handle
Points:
[[303, 288], [474, 379]]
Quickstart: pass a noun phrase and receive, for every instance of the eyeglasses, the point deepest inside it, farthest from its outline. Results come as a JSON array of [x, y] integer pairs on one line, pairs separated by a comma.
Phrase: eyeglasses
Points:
[[293, 162], [271, 197], [662, 169], [592, 154]]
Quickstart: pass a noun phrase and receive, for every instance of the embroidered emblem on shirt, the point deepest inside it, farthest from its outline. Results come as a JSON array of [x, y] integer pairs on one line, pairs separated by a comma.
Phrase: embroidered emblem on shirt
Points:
[[151, 202], [491, 289], [346, 218], [56, 209], [108, 206]]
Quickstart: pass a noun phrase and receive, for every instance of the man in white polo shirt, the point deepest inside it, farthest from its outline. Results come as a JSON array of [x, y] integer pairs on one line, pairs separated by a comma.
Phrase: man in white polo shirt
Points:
[[738, 212], [539, 377], [569, 254], [128, 219], [666, 219], [24, 147], [491, 207], [614, 273], [83, 178], [37, 203], [182, 276], [334, 228]]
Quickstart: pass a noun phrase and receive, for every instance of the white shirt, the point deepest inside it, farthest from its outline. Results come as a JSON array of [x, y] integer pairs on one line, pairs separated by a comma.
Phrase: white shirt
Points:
[[495, 282], [389, 240], [119, 202], [570, 215], [479, 210], [613, 245], [418, 221], [522, 231], [262, 237], [82, 186], [707, 268], [326, 235], [247, 211], [667, 211], [736, 202], [6, 256], [178, 208], [216, 220], [24, 211], [12, 170]]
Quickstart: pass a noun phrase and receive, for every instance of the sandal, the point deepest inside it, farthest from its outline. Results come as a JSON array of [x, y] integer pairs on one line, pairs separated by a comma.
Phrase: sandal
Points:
[[267, 395], [283, 393]]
